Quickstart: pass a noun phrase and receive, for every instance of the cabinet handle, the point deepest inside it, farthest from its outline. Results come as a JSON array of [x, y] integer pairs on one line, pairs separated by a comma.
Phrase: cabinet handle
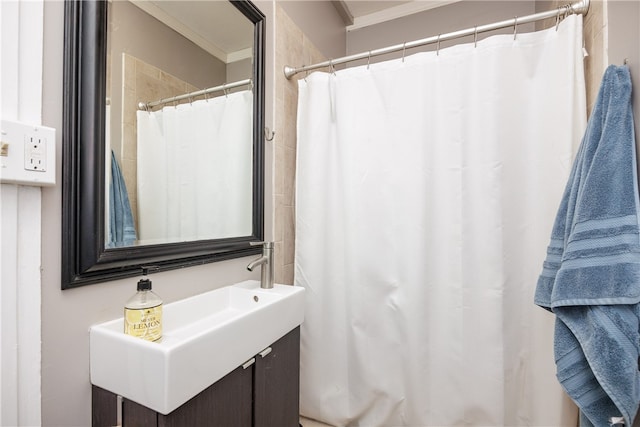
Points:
[[266, 351], [249, 363], [119, 403]]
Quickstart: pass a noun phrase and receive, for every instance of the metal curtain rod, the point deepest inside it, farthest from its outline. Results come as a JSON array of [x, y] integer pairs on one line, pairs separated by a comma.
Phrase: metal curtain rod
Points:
[[579, 7], [147, 106]]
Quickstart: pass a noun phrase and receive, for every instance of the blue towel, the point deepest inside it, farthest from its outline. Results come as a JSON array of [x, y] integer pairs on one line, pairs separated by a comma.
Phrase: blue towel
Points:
[[591, 276], [122, 230]]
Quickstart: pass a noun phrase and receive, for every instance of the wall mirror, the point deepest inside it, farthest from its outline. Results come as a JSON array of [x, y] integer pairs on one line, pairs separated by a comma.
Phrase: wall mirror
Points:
[[162, 139]]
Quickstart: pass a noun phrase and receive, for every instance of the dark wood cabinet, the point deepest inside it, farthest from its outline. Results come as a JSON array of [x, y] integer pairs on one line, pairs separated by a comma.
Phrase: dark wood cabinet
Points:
[[263, 394], [225, 403], [276, 401]]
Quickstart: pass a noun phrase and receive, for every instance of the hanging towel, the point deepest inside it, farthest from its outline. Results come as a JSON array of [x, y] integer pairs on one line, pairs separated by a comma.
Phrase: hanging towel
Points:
[[591, 276], [122, 231]]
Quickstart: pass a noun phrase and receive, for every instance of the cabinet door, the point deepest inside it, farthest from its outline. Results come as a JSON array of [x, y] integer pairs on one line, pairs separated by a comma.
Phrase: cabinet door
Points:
[[227, 403], [134, 414], [277, 383], [104, 407]]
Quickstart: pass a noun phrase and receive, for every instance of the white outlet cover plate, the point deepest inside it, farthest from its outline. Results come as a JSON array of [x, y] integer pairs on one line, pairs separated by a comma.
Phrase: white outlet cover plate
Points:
[[13, 166]]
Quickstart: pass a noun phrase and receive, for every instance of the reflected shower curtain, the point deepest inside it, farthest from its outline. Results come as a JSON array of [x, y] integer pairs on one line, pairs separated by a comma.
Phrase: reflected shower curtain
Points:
[[426, 189], [194, 170]]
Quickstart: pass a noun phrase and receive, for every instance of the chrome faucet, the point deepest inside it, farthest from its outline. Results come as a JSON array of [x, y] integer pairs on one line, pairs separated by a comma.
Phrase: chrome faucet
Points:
[[266, 260]]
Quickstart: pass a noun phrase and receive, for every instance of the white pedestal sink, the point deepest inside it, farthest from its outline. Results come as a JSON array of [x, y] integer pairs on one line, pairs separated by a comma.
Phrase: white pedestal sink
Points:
[[204, 338]]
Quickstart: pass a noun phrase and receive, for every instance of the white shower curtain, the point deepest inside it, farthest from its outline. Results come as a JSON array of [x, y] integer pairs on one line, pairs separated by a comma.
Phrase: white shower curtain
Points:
[[426, 192], [194, 170]]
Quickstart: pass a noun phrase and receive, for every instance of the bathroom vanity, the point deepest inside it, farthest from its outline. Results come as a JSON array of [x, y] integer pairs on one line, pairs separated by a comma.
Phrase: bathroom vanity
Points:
[[265, 393], [228, 357]]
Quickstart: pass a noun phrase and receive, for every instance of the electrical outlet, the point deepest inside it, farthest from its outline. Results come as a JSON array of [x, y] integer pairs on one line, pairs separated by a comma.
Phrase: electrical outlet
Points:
[[35, 153], [27, 154]]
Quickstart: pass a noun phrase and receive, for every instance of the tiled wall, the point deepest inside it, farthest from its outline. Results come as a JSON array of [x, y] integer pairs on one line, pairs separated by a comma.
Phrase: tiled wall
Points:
[[292, 48]]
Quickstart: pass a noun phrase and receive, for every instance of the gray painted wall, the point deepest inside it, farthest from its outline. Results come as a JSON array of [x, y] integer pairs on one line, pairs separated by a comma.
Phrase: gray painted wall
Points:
[[239, 70], [67, 315], [624, 43], [453, 17]]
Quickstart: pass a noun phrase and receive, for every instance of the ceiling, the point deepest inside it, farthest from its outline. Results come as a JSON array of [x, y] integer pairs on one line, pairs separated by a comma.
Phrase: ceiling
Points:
[[362, 13], [360, 8], [216, 26]]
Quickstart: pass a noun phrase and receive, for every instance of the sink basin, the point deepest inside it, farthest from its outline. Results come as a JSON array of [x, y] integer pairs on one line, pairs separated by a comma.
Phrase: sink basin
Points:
[[204, 338]]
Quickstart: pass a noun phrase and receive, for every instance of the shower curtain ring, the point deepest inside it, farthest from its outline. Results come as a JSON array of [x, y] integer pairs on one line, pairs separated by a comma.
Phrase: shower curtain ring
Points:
[[331, 68], [224, 90], [404, 47], [475, 36], [515, 27], [438, 46], [369, 60], [558, 18], [570, 10]]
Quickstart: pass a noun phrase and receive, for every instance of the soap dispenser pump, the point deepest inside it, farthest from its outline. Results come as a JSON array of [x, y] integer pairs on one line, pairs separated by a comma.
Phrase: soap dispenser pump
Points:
[[143, 311]]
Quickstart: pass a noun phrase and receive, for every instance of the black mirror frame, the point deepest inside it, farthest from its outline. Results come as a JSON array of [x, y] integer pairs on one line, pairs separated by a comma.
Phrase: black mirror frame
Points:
[[85, 259]]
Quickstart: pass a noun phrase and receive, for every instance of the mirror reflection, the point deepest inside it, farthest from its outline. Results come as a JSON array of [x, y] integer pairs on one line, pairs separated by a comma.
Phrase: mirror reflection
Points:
[[179, 122]]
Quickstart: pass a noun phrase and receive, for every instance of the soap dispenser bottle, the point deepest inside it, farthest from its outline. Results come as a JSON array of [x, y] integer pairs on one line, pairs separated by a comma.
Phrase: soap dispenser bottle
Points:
[[143, 312]]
